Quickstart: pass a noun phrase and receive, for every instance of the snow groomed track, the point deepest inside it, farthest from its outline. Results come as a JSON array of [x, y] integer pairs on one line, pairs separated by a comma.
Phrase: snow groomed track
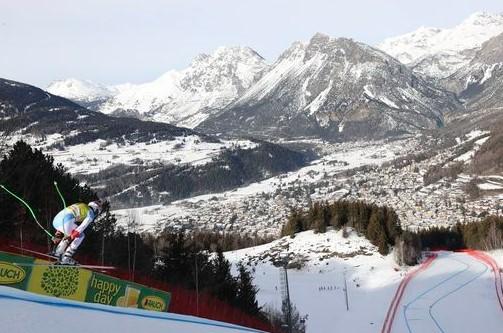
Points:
[[22, 311], [449, 292]]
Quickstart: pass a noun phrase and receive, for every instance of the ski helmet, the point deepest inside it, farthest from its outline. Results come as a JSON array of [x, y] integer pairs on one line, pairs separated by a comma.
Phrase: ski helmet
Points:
[[96, 206]]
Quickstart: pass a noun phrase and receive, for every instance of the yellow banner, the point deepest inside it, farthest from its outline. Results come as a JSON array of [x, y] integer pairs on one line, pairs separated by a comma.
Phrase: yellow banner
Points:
[[65, 282], [76, 283]]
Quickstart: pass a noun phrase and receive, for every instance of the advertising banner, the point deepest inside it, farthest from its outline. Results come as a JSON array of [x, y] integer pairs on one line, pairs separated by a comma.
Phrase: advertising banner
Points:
[[78, 284], [111, 291], [64, 282], [13, 275]]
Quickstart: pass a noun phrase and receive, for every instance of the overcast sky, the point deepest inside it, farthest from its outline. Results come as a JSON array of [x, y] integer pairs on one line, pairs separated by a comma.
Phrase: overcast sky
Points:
[[117, 41]]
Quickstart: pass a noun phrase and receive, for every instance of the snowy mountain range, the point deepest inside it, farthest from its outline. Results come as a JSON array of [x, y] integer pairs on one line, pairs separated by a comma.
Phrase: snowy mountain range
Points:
[[441, 52], [184, 98], [335, 88]]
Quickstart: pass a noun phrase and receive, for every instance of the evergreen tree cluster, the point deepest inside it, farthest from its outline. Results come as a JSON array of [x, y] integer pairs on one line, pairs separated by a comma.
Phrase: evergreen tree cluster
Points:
[[182, 257], [233, 167], [484, 235], [229, 241], [379, 224]]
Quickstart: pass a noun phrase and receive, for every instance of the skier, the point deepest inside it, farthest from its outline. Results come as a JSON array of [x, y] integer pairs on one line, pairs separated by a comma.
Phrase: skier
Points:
[[69, 235]]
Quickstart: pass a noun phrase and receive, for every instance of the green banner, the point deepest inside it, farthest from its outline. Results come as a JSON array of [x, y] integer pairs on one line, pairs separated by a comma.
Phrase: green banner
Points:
[[13, 275], [111, 291], [78, 284]]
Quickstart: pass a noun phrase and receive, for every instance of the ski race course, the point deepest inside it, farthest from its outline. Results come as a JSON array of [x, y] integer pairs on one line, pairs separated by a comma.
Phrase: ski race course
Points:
[[449, 292], [27, 312]]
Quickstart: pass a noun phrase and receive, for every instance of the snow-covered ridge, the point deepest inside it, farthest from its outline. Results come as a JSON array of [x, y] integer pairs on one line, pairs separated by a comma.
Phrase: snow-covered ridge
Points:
[[183, 98], [440, 52], [81, 90]]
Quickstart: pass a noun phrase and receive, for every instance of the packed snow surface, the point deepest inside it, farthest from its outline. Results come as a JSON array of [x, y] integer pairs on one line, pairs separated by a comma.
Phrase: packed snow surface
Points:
[[27, 312], [457, 292]]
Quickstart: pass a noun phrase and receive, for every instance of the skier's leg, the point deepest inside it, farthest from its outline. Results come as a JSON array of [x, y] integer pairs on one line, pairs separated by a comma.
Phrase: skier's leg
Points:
[[69, 224], [61, 248], [71, 249], [63, 222]]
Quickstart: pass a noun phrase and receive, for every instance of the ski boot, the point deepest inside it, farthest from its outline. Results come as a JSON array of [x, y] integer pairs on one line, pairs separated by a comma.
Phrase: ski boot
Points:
[[67, 258]]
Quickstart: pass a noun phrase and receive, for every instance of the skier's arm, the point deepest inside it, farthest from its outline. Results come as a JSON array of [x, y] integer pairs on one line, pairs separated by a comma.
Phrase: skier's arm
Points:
[[89, 218]]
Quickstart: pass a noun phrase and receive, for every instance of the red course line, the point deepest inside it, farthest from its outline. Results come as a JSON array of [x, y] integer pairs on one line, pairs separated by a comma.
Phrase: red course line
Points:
[[390, 316], [488, 260]]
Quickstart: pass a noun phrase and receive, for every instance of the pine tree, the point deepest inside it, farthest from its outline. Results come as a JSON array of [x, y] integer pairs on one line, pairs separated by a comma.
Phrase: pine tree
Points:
[[247, 292], [376, 232], [225, 285]]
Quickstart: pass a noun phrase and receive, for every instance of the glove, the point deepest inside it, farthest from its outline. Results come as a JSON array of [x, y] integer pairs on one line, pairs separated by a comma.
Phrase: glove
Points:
[[74, 234], [58, 237]]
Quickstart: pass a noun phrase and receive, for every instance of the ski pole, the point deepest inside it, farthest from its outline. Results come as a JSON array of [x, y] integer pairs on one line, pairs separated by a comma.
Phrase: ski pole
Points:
[[29, 208], [60, 195]]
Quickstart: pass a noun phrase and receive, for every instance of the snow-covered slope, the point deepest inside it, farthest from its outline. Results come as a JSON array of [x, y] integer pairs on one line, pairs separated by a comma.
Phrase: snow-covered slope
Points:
[[26, 312], [457, 289], [335, 87], [440, 52], [184, 97], [455, 294]]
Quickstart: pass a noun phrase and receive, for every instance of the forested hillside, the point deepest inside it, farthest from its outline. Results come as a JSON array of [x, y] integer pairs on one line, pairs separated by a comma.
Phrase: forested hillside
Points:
[[165, 256]]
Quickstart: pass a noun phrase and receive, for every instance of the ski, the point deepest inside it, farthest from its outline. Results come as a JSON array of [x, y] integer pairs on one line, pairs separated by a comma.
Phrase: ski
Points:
[[54, 264], [34, 252]]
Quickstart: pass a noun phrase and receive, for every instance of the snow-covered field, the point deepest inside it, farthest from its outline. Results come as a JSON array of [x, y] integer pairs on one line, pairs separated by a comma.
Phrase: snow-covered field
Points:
[[459, 288], [26, 312], [317, 290], [99, 155]]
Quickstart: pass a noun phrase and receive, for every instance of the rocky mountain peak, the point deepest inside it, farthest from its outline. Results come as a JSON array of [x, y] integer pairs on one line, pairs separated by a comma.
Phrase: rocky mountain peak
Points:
[[480, 84], [335, 88], [491, 51], [237, 66], [296, 50], [483, 18], [439, 53], [182, 97]]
